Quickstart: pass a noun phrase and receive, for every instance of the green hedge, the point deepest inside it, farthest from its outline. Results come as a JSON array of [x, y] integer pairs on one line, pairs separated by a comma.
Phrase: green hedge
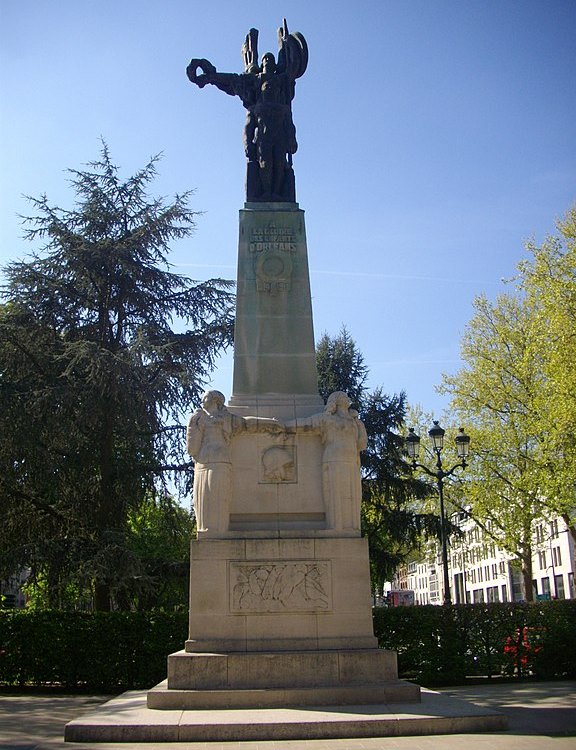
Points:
[[98, 650], [445, 645], [436, 645]]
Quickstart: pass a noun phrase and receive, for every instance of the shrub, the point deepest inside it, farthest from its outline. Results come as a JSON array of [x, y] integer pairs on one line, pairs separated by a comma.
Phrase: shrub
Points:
[[97, 650], [114, 651], [444, 645]]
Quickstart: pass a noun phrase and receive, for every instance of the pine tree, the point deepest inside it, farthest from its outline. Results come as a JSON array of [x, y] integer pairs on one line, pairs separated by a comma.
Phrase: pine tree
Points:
[[102, 352], [392, 518]]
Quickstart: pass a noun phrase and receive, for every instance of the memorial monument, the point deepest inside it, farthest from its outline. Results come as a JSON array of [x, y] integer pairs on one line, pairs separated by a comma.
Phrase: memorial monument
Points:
[[280, 607]]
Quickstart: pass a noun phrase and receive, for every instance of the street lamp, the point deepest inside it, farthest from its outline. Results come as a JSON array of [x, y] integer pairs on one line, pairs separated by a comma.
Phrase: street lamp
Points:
[[436, 434]]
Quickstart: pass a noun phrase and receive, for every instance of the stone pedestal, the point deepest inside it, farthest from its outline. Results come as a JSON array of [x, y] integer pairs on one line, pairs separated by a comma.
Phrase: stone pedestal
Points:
[[280, 622], [300, 594]]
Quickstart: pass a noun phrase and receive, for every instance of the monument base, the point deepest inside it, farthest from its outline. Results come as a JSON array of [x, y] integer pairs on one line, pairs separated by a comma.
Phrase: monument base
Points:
[[266, 679], [280, 623]]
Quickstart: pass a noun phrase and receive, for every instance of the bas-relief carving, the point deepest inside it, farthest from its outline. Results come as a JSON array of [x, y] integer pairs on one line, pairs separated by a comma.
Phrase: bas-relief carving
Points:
[[300, 586], [266, 91], [273, 273], [278, 465]]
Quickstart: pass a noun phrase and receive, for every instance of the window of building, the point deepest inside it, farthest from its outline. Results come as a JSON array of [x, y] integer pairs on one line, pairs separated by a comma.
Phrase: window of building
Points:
[[559, 586], [494, 570], [556, 556], [546, 586], [542, 560], [487, 572], [478, 596], [554, 529], [539, 534], [504, 592], [502, 568], [480, 575], [492, 593]]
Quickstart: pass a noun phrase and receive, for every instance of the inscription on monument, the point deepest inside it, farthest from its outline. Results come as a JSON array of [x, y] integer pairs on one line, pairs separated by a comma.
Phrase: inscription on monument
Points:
[[279, 586], [273, 238], [273, 248]]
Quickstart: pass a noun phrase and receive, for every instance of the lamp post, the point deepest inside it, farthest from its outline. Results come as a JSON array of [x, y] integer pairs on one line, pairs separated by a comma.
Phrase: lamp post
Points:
[[436, 434]]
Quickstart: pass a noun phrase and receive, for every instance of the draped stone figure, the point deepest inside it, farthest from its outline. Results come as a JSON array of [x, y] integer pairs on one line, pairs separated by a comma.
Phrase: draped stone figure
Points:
[[266, 91], [343, 436], [208, 440]]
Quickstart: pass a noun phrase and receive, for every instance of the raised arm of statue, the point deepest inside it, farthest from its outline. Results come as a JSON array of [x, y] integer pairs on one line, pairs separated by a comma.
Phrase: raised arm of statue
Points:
[[230, 83]]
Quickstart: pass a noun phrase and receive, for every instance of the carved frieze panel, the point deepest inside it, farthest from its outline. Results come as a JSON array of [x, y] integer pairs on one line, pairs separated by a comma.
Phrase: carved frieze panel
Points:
[[280, 586]]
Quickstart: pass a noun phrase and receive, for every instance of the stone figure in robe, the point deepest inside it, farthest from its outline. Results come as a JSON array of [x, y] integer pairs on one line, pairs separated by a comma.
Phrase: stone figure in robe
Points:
[[208, 440], [266, 91], [343, 436]]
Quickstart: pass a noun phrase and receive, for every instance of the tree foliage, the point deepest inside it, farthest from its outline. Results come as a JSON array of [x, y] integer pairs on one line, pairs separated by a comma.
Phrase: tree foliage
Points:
[[102, 352], [548, 282], [515, 392], [341, 367]]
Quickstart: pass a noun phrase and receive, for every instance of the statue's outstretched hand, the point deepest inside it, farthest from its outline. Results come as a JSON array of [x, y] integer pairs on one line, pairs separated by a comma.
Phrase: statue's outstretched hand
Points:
[[207, 71]]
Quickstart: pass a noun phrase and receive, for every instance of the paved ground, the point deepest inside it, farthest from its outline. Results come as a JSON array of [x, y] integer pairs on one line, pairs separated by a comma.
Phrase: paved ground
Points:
[[541, 716]]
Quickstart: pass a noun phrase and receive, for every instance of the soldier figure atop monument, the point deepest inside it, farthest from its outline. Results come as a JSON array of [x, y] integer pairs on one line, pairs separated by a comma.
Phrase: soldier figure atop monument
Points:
[[266, 91]]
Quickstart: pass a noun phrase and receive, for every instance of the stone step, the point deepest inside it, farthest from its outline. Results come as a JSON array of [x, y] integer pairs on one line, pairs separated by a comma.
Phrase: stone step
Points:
[[395, 691], [127, 719]]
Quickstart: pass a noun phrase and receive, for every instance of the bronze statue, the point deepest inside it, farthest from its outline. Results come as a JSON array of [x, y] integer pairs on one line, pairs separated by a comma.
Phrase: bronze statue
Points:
[[267, 92]]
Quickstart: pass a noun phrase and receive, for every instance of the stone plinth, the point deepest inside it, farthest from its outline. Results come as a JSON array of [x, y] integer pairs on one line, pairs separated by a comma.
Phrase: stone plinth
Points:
[[276, 490], [301, 594], [280, 622], [127, 719]]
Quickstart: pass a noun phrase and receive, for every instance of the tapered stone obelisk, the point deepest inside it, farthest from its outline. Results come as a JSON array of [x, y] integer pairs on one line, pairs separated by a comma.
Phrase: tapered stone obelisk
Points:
[[274, 354]]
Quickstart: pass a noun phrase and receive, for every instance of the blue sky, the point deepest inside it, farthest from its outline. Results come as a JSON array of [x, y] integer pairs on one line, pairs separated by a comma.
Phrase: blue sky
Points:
[[435, 137]]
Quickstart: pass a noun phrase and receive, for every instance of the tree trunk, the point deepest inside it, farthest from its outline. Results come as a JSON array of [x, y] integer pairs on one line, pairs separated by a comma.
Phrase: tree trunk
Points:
[[101, 596], [570, 526], [107, 507], [527, 575]]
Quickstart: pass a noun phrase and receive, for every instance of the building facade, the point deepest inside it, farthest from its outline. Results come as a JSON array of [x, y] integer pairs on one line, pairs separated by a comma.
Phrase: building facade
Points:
[[479, 571]]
